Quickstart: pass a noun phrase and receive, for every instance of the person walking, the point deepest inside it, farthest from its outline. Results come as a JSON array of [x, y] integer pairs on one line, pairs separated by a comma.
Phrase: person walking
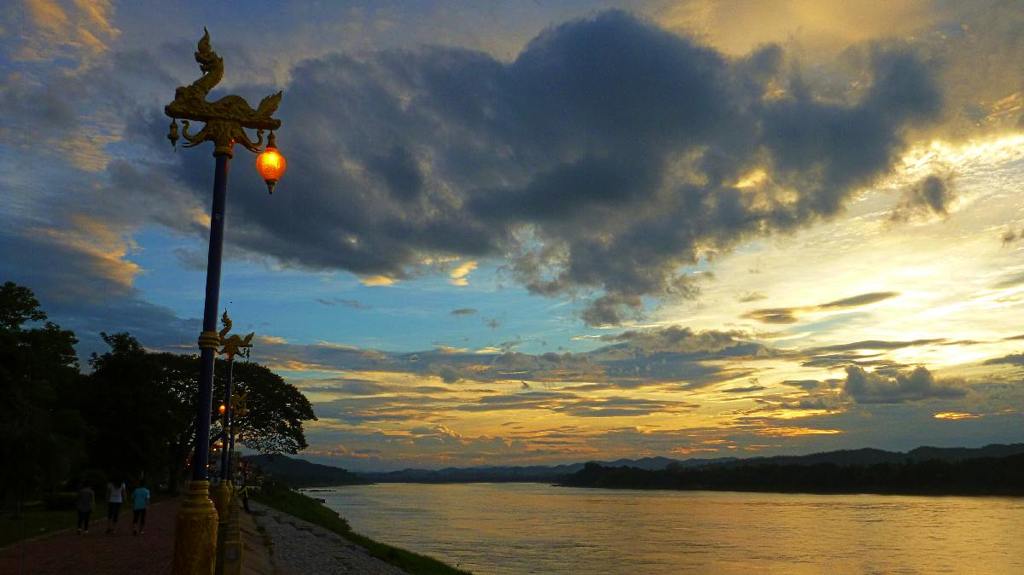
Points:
[[86, 500], [116, 493], [140, 502], [244, 492]]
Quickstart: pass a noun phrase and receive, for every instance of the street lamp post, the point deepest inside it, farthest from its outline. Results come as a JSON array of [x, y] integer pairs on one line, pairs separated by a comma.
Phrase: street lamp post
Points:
[[231, 346], [224, 124]]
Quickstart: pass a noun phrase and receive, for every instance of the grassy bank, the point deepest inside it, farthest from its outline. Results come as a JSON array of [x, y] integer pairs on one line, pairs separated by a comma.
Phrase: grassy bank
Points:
[[282, 498], [33, 522]]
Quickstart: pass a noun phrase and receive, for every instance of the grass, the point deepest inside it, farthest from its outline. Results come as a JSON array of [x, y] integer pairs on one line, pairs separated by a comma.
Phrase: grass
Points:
[[280, 497], [33, 522]]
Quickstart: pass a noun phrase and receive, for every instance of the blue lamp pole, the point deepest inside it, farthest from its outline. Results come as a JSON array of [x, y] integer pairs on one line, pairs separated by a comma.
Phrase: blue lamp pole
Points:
[[224, 124]]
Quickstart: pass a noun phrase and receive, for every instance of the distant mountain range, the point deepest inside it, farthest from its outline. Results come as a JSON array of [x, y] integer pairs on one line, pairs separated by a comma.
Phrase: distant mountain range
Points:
[[989, 470], [301, 473], [528, 473], [869, 456]]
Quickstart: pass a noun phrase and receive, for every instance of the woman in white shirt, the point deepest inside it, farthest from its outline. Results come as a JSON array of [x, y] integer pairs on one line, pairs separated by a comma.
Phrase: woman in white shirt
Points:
[[116, 493]]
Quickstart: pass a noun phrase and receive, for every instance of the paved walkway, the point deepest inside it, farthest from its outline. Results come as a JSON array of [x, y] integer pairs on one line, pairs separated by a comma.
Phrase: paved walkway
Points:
[[98, 553], [301, 548], [256, 559]]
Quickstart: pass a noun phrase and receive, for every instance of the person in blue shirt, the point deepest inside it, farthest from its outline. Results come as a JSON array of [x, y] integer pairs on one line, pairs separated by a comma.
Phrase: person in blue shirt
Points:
[[140, 501]]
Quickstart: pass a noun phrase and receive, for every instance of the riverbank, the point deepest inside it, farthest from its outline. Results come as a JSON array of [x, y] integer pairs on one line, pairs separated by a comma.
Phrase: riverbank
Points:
[[304, 532]]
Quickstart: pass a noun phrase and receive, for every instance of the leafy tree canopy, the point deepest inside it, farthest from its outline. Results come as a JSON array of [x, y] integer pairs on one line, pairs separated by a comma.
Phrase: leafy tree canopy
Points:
[[275, 409], [40, 431]]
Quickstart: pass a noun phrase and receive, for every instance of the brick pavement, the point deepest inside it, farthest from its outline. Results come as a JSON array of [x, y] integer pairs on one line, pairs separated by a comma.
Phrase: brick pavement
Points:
[[98, 553]]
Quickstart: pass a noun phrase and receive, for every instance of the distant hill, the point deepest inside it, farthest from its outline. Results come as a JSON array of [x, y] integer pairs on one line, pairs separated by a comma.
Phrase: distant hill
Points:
[[301, 473], [993, 469], [526, 473], [869, 456]]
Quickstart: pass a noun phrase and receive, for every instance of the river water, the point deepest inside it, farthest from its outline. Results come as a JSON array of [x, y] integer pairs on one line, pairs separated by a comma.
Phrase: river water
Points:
[[518, 528]]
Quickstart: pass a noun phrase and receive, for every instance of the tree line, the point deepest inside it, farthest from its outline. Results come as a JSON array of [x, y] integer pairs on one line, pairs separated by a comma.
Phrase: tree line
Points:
[[978, 476], [130, 414]]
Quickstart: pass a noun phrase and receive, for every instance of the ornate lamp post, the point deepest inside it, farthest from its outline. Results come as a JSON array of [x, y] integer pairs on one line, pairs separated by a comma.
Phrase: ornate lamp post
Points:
[[232, 346], [238, 407], [225, 123]]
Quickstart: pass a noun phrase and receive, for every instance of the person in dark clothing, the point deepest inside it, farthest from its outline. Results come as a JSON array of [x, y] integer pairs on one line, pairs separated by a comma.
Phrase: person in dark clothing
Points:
[[86, 500]]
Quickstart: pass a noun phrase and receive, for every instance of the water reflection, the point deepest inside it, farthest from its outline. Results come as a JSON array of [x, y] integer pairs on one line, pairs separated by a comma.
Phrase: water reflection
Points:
[[533, 528]]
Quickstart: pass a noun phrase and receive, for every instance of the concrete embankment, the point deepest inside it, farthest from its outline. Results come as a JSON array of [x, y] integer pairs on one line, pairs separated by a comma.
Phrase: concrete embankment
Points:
[[300, 548]]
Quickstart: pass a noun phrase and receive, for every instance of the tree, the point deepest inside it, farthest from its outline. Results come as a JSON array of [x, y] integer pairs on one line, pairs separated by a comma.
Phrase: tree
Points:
[[275, 409], [137, 403], [142, 407], [40, 432]]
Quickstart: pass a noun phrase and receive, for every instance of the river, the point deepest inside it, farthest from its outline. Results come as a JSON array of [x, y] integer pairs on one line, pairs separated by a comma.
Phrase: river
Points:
[[519, 528]]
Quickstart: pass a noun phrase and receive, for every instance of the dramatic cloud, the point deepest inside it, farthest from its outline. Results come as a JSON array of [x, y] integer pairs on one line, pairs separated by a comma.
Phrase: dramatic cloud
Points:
[[930, 196], [54, 28], [83, 279], [604, 159], [875, 344], [865, 387], [612, 163], [751, 296], [791, 314], [671, 355], [1012, 359], [349, 303]]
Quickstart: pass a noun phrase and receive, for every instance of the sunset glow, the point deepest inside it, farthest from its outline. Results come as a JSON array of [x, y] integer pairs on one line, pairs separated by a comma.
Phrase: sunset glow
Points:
[[552, 232]]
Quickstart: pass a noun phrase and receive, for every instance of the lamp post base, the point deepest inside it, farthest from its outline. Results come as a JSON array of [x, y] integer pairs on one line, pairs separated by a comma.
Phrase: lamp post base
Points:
[[221, 496], [195, 535]]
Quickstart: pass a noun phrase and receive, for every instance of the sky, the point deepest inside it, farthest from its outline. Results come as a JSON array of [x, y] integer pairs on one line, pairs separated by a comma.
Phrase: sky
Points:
[[546, 232]]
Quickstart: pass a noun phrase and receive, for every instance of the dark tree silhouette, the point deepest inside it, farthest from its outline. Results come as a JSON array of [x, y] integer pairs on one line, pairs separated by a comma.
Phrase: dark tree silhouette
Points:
[[40, 433]]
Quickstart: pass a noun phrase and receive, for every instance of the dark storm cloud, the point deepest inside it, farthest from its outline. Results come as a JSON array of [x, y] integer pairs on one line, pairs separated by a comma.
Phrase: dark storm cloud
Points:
[[463, 311], [804, 384], [1009, 280], [672, 355], [774, 315], [528, 400], [745, 389], [919, 384], [784, 315], [751, 296], [875, 344], [930, 196], [347, 386], [350, 303], [623, 407], [675, 339], [838, 360], [855, 353], [579, 160], [1012, 359], [859, 300]]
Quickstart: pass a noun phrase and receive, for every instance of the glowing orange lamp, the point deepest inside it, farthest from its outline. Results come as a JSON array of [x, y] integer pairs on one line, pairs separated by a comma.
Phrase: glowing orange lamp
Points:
[[221, 409], [271, 164]]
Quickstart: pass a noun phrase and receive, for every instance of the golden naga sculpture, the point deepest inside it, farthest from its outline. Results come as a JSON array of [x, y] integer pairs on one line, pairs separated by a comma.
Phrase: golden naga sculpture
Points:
[[233, 345], [238, 404], [225, 119]]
